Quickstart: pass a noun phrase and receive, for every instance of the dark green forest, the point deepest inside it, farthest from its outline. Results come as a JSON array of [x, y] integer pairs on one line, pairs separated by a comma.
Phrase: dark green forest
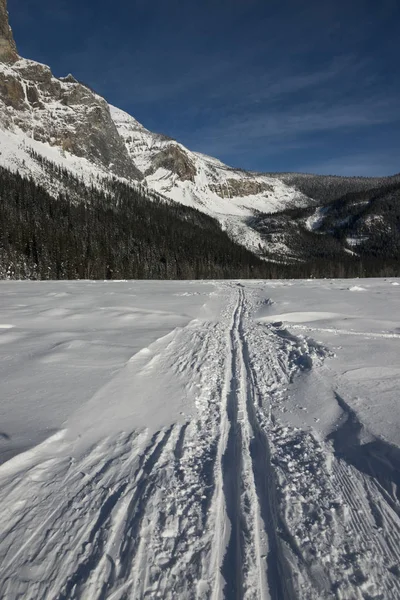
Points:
[[370, 217], [106, 235], [123, 233], [327, 188]]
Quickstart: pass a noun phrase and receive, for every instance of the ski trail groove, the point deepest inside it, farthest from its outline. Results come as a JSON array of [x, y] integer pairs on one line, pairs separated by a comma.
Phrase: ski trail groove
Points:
[[254, 565], [227, 502], [232, 568], [279, 576]]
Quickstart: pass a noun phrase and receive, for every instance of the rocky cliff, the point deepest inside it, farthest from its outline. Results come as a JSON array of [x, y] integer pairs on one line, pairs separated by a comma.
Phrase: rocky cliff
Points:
[[231, 195], [8, 50], [67, 123], [60, 112]]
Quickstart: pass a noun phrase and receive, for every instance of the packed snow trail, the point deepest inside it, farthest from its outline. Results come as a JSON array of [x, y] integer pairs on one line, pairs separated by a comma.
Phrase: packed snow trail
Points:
[[227, 502]]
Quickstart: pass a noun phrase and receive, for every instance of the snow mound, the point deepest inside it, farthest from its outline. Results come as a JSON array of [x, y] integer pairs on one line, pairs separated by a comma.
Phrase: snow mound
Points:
[[357, 288]]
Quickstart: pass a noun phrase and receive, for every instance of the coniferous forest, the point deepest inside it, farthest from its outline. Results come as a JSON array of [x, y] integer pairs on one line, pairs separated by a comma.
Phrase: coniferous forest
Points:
[[105, 235], [358, 234], [122, 233]]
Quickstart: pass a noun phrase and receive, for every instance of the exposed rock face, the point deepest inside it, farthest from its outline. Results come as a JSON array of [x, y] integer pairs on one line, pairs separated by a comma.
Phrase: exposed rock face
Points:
[[45, 120], [240, 187], [12, 92], [62, 113], [8, 50], [173, 159]]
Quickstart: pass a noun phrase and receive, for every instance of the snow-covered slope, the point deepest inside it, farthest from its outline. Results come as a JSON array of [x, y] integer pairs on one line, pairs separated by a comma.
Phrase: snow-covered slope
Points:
[[70, 125], [194, 179], [182, 440], [25, 155], [199, 180]]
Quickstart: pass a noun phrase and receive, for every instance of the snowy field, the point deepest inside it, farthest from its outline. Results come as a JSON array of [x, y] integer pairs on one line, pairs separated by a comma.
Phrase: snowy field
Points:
[[189, 440]]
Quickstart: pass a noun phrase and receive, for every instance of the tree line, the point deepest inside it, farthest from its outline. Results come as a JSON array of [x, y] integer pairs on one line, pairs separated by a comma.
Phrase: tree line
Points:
[[119, 232], [105, 235]]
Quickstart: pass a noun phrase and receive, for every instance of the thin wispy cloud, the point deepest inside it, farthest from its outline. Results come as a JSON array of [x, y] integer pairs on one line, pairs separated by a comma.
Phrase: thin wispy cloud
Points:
[[288, 126], [261, 84]]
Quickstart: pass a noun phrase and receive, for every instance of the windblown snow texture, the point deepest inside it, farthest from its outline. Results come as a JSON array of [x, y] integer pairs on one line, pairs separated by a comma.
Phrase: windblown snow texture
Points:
[[188, 440]]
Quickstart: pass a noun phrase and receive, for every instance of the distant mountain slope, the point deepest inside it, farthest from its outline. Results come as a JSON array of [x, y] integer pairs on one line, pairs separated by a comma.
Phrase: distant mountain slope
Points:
[[364, 224], [230, 195], [72, 143], [325, 188]]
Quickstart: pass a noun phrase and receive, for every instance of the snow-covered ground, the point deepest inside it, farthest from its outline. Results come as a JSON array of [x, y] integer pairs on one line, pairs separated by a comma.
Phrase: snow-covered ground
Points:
[[200, 440]]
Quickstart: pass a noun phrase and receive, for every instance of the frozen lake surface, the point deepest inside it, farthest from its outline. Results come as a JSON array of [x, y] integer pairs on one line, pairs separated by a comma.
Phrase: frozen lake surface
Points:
[[200, 440]]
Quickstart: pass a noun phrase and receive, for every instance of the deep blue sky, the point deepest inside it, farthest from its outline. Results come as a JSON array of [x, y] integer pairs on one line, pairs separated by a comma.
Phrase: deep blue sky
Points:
[[269, 85]]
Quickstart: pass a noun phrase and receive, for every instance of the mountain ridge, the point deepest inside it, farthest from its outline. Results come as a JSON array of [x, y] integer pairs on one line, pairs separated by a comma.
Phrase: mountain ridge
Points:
[[70, 125], [49, 125], [364, 224]]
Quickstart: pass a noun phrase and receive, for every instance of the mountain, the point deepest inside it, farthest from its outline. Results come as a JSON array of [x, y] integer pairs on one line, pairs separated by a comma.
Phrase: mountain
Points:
[[69, 140], [113, 234], [326, 188], [363, 225], [232, 196], [67, 123], [61, 119]]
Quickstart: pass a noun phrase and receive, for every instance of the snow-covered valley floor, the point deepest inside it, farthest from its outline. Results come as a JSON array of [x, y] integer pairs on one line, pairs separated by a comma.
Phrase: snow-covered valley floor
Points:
[[189, 440]]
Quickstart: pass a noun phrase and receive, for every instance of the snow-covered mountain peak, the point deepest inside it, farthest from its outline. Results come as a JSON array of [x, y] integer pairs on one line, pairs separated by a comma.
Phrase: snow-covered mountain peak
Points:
[[61, 113], [124, 120], [199, 180], [67, 123]]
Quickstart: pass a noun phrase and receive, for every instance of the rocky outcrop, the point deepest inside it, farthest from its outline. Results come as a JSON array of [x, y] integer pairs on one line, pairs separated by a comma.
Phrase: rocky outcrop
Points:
[[174, 159], [233, 188], [11, 92], [8, 50], [63, 113], [59, 112]]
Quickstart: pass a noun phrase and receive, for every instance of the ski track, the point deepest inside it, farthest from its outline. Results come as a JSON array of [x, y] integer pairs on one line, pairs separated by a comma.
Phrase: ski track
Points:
[[229, 504]]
